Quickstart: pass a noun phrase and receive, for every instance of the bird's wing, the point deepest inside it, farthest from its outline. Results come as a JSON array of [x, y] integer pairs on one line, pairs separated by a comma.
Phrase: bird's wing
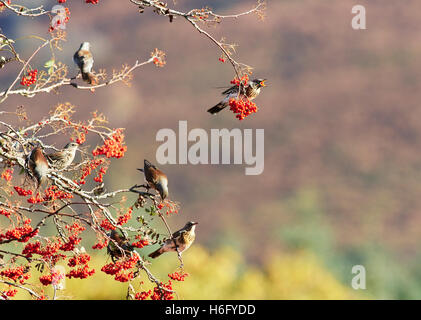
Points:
[[233, 89], [53, 156], [178, 233]]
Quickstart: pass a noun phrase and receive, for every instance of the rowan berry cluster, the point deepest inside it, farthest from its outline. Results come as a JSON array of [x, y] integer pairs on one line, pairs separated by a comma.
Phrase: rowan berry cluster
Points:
[[87, 170], [7, 174], [22, 192], [124, 218], [169, 206], [113, 146], [81, 273], [53, 278], [80, 259], [163, 294], [242, 107], [48, 252], [5, 213], [21, 234], [143, 295], [10, 292], [18, 273], [178, 276], [117, 269], [30, 78], [141, 242], [107, 225]]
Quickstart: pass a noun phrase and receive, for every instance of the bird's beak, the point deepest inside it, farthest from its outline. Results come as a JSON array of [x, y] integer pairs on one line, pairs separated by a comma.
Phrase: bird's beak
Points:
[[262, 83], [195, 223]]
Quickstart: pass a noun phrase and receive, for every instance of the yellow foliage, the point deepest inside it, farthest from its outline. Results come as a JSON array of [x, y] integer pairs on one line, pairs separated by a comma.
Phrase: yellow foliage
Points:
[[220, 275]]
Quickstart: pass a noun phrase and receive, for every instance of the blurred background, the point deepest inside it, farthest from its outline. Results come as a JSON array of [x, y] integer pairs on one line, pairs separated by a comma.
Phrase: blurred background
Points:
[[342, 179]]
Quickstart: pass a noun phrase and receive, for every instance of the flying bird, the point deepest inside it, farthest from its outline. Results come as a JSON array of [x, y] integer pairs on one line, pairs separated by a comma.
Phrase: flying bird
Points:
[[250, 91], [38, 165], [181, 239], [122, 242], [84, 60], [62, 159], [155, 178]]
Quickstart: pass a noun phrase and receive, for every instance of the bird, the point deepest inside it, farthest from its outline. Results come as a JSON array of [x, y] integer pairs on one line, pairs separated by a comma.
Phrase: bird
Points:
[[250, 91], [62, 159], [38, 165], [181, 239], [155, 178], [84, 60], [122, 242]]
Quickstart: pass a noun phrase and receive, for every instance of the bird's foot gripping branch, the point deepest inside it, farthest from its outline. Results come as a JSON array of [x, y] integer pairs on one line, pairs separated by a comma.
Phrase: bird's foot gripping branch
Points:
[[46, 188]]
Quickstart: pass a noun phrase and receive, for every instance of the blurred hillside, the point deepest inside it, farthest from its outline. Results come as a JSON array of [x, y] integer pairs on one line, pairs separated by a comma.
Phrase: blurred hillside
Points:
[[341, 117]]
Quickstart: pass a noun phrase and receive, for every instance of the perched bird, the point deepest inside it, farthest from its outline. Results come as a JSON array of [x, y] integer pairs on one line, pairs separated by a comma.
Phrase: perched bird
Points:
[[84, 60], [37, 165], [122, 242], [250, 91], [181, 239], [62, 159], [155, 178]]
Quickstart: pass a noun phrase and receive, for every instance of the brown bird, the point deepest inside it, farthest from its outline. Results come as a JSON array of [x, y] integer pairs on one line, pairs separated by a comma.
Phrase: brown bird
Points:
[[38, 165], [155, 178], [62, 159], [84, 60], [181, 239], [251, 91]]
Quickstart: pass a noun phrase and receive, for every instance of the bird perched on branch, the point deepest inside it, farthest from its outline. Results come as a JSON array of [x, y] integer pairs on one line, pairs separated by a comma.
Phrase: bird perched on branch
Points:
[[250, 91], [84, 60], [37, 165], [62, 159], [121, 241], [155, 178], [181, 240]]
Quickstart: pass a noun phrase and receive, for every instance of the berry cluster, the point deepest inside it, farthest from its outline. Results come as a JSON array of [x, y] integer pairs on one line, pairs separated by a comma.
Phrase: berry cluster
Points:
[[81, 273], [48, 252], [100, 177], [22, 192], [178, 276], [107, 225], [141, 242], [87, 170], [10, 292], [19, 273], [21, 234], [30, 78], [80, 259], [244, 80], [92, 1], [51, 194], [124, 218], [7, 174], [163, 294], [113, 146], [243, 108], [170, 206], [143, 295], [53, 278], [117, 269], [100, 245], [5, 213]]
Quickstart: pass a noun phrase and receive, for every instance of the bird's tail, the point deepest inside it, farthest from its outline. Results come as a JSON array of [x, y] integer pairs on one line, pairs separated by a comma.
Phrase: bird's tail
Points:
[[90, 78], [156, 253], [220, 106]]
